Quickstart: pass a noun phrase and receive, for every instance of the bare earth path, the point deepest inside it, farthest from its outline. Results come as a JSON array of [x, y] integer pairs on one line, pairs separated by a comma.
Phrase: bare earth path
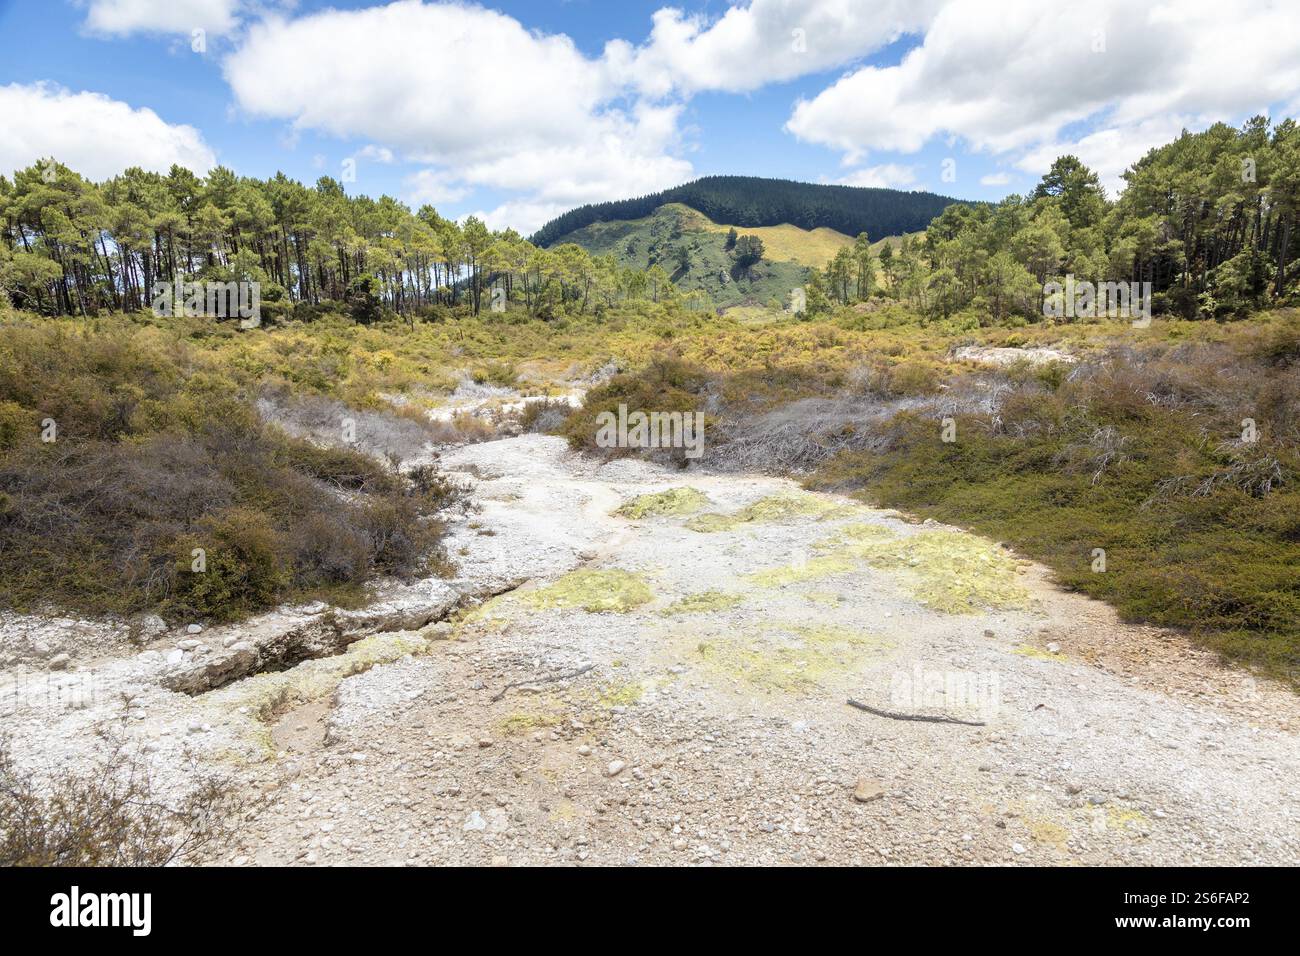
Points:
[[537, 731]]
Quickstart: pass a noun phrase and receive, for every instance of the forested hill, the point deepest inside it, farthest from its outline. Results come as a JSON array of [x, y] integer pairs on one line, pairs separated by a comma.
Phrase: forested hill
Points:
[[752, 201]]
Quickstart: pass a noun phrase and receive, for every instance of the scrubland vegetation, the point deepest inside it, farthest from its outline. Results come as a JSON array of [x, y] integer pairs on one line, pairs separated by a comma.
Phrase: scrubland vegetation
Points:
[[1136, 449], [112, 815], [1173, 449], [156, 458], [1170, 448]]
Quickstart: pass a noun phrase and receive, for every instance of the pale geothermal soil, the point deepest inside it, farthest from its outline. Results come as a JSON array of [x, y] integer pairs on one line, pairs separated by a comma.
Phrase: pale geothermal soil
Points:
[[586, 715]]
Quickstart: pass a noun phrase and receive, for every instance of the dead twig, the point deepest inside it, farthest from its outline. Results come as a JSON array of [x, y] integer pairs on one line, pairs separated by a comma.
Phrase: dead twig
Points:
[[925, 717], [566, 675]]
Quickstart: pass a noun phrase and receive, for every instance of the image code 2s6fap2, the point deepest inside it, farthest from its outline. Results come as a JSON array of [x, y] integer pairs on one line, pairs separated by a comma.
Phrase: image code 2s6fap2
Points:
[[1179, 898]]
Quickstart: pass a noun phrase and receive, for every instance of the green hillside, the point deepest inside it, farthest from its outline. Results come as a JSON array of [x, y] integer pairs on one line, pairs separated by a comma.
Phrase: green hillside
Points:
[[657, 240], [752, 201]]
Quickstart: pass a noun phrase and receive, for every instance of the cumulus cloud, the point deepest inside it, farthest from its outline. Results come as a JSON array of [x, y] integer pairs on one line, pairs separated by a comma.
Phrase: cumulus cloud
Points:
[[91, 133], [1111, 150], [376, 154], [523, 215], [995, 179], [885, 176], [468, 91], [762, 42], [439, 81], [125, 17], [1010, 76], [433, 186], [623, 156]]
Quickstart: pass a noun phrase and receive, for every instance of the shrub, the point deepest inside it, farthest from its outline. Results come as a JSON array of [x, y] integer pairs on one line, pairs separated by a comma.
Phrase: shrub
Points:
[[667, 384], [107, 518], [244, 566], [498, 374], [16, 424], [545, 415], [1142, 457], [111, 816]]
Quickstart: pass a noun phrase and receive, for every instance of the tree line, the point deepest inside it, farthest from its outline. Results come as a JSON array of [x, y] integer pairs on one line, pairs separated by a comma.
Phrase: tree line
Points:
[[69, 246], [1209, 220]]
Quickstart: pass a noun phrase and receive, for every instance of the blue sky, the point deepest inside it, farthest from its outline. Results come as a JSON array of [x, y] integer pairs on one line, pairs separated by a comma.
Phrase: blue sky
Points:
[[520, 109]]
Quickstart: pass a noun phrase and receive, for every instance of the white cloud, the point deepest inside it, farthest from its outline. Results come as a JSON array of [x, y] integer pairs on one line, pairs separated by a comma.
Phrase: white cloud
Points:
[[885, 176], [623, 157], [376, 154], [523, 215], [995, 179], [763, 42], [1112, 150], [91, 133], [124, 17], [434, 187], [618, 155], [468, 91], [437, 81], [1008, 76]]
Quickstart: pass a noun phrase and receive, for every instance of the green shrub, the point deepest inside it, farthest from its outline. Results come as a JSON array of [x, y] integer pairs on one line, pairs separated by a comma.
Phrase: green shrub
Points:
[[243, 569], [16, 424], [156, 464], [499, 374], [1200, 530], [667, 384]]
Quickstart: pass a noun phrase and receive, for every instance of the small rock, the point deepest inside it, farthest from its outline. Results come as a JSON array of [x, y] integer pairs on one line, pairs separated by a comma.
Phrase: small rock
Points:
[[615, 768], [1053, 648], [60, 662], [1017, 849], [475, 821], [188, 645], [584, 750], [867, 790], [194, 629], [485, 742], [148, 627]]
